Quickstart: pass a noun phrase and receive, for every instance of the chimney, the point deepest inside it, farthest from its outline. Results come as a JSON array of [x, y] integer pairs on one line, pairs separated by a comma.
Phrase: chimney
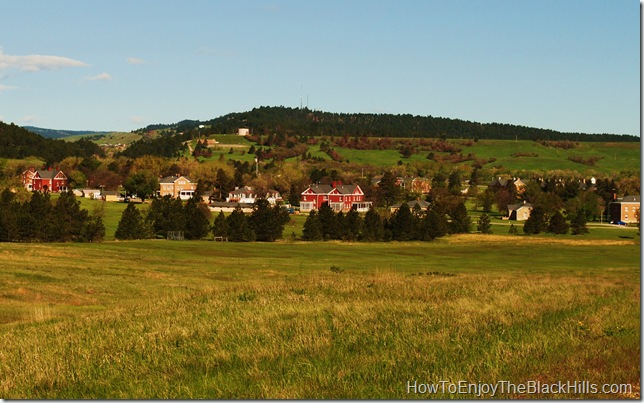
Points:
[[335, 184]]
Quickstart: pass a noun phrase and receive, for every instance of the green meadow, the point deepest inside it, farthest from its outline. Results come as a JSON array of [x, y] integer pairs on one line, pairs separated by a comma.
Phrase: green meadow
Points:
[[167, 319]]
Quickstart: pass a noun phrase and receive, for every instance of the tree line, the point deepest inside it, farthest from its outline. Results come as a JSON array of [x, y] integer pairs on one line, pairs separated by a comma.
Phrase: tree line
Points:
[[17, 142], [405, 224], [295, 122], [168, 215], [42, 220]]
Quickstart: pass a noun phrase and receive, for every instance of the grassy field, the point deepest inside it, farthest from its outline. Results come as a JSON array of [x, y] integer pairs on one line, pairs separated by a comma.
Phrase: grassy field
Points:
[[162, 319]]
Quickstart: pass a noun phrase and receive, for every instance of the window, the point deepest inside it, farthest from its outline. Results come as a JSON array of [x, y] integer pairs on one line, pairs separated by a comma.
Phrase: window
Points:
[[626, 209]]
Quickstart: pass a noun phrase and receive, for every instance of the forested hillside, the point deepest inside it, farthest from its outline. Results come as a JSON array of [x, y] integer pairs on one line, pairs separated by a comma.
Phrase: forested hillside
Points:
[[297, 122], [59, 134], [17, 142]]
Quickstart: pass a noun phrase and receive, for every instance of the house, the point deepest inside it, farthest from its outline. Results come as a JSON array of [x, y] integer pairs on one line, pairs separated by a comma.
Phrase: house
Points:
[[93, 194], [177, 186], [340, 197], [45, 181], [503, 182], [519, 212], [273, 197], [245, 194], [625, 209], [229, 207], [412, 205], [111, 195]]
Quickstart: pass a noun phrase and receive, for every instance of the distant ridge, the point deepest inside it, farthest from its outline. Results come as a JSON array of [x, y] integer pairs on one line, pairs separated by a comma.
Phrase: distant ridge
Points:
[[57, 134], [305, 122]]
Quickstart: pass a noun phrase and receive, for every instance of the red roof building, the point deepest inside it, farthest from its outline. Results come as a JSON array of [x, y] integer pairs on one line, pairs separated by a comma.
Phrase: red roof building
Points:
[[45, 181], [340, 197]]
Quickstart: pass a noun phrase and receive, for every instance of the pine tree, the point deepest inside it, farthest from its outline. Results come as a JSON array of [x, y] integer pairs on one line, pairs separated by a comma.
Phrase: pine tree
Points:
[[131, 224], [484, 226], [68, 219], [434, 225], [352, 225], [10, 210], [197, 218], [238, 228], [312, 230], [536, 223], [372, 227], [166, 214], [578, 223], [558, 224], [36, 224], [268, 222], [329, 222], [387, 188], [402, 224], [460, 220], [220, 226]]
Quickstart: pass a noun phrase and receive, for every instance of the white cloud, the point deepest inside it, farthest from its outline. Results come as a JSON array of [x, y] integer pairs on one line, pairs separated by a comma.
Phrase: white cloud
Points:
[[7, 87], [135, 60], [33, 63], [99, 77], [28, 119]]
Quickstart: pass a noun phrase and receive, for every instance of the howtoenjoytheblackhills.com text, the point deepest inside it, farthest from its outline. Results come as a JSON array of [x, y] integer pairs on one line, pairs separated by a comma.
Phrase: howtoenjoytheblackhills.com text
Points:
[[501, 388]]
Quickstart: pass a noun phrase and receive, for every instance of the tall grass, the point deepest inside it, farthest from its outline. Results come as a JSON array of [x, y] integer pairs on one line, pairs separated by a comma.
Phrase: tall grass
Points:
[[166, 319]]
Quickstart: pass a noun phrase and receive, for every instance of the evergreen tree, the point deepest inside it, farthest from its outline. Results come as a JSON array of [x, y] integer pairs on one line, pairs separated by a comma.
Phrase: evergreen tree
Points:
[[36, 224], [220, 226], [537, 222], [402, 224], [558, 224], [454, 183], [486, 199], [372, 228], [329, 222], [268, 222], [578, 223], [166, 214], [484, 226], [10, 210], [434, 225], [197, 218], [131, 224], [294, 195], [388, 191], [238, 228], [68, 219], [352, 225], [312, 230], [460, 220]]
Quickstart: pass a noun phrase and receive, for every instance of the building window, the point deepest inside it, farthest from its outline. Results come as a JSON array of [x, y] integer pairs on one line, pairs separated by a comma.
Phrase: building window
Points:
[[626, 209]]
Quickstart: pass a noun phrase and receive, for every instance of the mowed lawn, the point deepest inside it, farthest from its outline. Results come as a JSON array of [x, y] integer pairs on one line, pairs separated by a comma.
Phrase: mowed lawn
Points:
[[163, 319]]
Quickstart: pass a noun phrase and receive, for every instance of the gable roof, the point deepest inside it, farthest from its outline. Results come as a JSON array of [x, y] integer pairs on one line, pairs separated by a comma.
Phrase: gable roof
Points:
[[339, 189], [519, 205], [629, 199], [173, 179]]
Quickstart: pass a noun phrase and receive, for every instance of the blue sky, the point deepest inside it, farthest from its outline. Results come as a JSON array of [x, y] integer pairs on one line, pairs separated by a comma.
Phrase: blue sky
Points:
[[568, 65]]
